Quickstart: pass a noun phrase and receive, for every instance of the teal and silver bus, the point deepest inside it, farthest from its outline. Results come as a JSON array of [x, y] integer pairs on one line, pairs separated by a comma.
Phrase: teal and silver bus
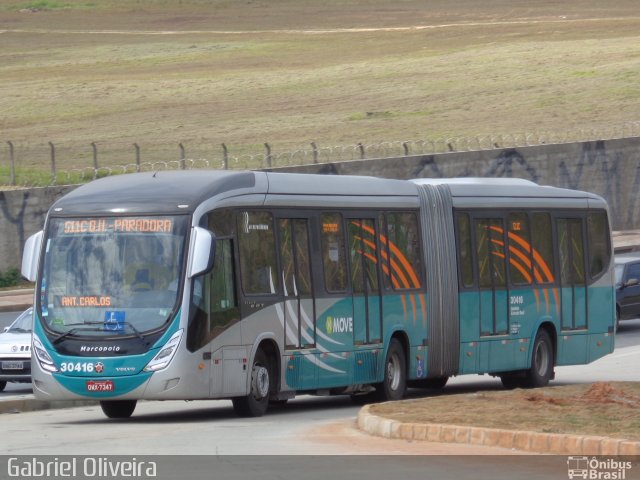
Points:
[[257, 286]]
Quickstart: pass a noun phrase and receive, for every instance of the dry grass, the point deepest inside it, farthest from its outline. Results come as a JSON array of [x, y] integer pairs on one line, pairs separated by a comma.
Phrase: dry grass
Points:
[[291, 72], [602, 409]]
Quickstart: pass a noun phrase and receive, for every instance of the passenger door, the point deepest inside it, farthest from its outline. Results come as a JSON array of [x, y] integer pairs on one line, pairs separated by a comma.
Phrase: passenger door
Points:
[[299, 305], [571, 255], [365, 282], [494, 294]]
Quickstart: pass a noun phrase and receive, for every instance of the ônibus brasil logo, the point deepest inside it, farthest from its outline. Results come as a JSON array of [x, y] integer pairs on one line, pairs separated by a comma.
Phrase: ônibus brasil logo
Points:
[[597, 468]]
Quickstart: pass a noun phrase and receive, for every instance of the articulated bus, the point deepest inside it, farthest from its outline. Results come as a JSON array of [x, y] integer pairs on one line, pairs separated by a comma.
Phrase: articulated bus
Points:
[[257, 286]]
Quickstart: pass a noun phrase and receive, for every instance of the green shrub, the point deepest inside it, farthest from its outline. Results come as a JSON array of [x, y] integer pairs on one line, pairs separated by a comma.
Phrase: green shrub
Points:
[[10, 278]]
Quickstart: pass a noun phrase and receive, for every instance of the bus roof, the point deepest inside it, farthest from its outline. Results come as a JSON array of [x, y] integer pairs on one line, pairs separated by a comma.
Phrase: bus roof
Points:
[[167, 192], [504, 188], [184, 191], [158, 192]]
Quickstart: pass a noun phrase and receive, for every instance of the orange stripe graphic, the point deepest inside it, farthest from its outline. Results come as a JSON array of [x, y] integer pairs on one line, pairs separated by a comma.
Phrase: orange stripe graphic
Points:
[[540, 264], [410, 282]]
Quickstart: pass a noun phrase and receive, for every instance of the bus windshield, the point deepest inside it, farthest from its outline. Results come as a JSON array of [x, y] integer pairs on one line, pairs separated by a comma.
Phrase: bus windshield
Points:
[[105, 276]]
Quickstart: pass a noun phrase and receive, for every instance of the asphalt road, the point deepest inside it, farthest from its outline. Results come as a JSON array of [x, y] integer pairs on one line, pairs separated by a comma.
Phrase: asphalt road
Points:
[[7, 317], [208, 436]]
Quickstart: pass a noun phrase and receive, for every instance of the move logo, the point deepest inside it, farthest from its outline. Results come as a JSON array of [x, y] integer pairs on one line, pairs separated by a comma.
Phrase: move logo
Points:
[[339, 325]]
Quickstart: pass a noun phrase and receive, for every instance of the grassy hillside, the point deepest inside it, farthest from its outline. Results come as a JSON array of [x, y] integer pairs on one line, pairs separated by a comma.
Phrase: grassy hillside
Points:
[[288, 72]]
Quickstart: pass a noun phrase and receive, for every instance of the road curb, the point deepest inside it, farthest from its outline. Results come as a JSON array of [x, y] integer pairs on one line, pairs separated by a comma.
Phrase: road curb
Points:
[[551, 443], [15, 300], [26, 404], [15, 307]]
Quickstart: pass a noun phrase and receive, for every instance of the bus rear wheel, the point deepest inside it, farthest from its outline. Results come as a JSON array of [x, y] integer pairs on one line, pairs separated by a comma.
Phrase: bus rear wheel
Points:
[[542, 360], [2, 385], [394, 382], [118, 408], [256, 403]]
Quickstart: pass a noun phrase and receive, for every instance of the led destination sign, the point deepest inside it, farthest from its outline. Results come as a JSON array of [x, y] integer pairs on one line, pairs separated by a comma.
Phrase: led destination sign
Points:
[[118, 224]]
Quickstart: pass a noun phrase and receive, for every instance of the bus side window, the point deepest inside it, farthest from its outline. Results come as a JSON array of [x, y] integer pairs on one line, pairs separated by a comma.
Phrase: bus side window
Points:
[[599, 248], [223, 303], [490, 253], [333, 253], [403, 247], [465, 255], [214, 304], [571, 251], [542, 248], [257, 246], [519, 240]]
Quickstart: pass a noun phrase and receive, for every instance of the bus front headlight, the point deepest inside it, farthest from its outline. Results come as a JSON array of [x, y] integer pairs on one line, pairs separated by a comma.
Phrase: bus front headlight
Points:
[[166, 354], [43, 357]]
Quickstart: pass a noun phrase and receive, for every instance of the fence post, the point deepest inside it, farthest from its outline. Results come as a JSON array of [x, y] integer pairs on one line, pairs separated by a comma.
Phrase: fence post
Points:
[[225, 157], [137, 147], [95, 160], [12, 164], [361, 148], [182, 156], [315, 152], [54, 176], [268, 155]]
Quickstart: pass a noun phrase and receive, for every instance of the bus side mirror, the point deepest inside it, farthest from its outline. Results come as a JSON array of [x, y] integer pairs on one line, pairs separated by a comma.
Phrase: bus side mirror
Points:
[[202, 252], [31, 255]]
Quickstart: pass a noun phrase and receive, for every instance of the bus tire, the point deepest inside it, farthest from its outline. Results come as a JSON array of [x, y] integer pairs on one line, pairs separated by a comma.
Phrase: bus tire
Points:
[[118, 408], [2, 385], [256, 403], [394, 381], [542, 360]]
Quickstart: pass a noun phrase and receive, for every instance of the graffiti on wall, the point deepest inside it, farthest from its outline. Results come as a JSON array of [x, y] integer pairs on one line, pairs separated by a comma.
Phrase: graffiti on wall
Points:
[[15, 220], [608, 168]]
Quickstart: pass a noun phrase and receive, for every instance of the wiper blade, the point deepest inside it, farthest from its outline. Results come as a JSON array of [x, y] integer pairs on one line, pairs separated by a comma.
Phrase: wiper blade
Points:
[[137, 332], [71, 331], [128, 324]]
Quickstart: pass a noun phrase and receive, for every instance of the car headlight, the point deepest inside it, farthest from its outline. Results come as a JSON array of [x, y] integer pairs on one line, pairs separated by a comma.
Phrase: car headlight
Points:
[[166, 354], [44, 359]]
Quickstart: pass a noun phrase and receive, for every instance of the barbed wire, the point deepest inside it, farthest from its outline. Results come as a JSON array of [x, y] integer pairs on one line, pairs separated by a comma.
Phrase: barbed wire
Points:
[[46, 166]]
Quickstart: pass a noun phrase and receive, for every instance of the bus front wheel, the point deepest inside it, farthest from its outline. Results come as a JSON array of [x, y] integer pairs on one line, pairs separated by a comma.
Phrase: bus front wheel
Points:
[[255, 404], [394, 382], [118, 408]]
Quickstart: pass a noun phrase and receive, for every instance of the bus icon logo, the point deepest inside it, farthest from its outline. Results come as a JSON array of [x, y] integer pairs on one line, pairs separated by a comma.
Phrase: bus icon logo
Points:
[[578, 467], [597, 468]]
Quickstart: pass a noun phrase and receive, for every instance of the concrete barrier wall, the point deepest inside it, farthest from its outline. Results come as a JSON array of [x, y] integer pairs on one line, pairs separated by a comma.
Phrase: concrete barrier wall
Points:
[[610, 168], [22, 213]]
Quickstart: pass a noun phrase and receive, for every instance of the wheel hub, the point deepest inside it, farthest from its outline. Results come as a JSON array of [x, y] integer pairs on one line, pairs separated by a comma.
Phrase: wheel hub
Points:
[[260, 382]]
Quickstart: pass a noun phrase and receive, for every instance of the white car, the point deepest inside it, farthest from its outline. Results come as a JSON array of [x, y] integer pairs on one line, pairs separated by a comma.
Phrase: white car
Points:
[[15, 350]]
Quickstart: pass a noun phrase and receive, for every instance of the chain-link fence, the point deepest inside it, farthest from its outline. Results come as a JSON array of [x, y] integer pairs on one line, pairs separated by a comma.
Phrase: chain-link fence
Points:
[[53, 163]]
